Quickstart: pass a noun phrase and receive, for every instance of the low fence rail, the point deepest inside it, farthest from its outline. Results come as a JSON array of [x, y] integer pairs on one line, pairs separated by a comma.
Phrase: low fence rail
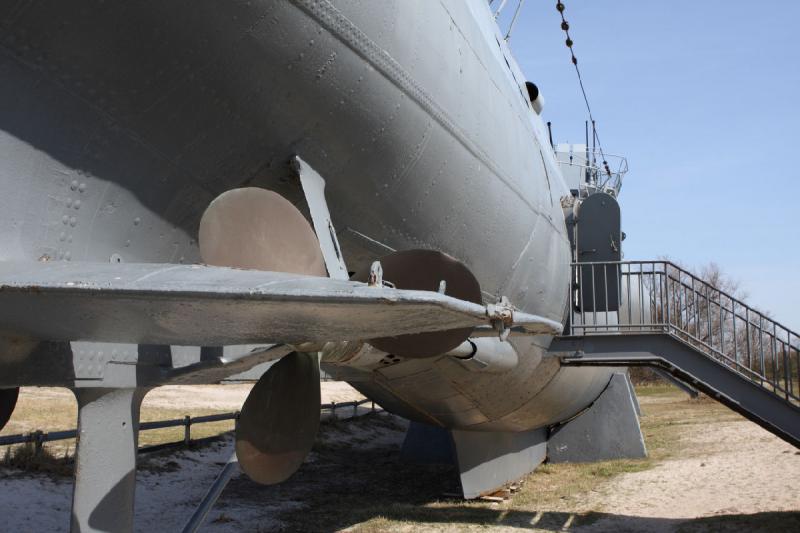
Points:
[[38, 438]]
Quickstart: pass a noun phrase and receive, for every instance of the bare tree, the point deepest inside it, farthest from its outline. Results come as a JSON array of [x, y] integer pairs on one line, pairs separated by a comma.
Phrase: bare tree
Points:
[[710, 311]]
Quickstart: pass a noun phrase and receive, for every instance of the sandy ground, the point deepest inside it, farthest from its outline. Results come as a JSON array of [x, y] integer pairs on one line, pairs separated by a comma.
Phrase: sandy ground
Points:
[[736, 468], [171, 484]]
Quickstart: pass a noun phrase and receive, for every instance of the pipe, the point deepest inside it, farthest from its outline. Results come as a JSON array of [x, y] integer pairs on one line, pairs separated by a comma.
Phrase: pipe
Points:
[[228, 471]]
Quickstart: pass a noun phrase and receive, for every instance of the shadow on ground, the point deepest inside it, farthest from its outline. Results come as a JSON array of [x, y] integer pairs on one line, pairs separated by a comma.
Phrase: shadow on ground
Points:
[[357, 481]]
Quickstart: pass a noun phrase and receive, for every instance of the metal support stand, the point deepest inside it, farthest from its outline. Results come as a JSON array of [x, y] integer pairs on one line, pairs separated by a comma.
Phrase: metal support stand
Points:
[[314, 188], [488, 460], [105, 463], [230, 469], [608, 430]]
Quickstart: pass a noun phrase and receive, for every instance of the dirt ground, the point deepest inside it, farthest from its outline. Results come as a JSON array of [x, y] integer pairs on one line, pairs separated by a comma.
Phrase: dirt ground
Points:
[[708, 470], [731, 468]]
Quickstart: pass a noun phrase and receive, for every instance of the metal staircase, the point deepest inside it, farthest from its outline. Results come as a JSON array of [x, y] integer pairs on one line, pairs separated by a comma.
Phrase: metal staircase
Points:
[[657, 314]]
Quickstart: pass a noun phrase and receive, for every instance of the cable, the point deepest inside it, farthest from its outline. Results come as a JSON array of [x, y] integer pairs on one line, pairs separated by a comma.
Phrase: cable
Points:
[[565, 26]]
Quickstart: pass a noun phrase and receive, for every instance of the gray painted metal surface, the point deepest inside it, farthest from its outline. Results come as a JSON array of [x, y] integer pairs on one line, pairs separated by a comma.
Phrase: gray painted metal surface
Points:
[[632, 391], [230, 469], [212, 306], [607, 430], [120, 124], [114, 155], [105, 459], [673, 301], [314, 190], [686, 362], [685, 387], [426, 444], [487, 461], [696, 332], [598, 239]]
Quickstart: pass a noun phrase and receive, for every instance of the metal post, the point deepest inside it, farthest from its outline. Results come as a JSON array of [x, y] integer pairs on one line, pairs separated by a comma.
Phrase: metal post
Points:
[[735, 338], [587, 156], [571, 301], [761, 345], [187, 430], [656, 308], [514, 20], [228, 471], [797, 356], [580, 292], [594, 301], [666, 290], [708, 317], [605, 288], [38, 442], [695, 311], [787, 372], [775, 376], [747, 338], [680, 304], [628, 281], [721, 324], [105, 461], [333, 409], [355, 408]]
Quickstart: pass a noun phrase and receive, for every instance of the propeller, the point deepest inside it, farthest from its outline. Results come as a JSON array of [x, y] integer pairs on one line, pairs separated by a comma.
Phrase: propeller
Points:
[[279, 420], [259, 229], [426, 270]]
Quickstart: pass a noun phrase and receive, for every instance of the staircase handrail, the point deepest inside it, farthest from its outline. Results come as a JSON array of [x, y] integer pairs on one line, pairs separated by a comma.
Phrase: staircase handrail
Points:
[[674, 307]]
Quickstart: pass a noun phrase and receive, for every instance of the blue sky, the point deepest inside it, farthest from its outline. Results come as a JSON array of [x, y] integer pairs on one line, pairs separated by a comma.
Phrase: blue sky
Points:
[[703, 98]]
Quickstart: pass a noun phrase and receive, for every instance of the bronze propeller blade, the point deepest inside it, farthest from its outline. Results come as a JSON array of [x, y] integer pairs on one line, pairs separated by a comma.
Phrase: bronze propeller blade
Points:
[[279, 420]]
